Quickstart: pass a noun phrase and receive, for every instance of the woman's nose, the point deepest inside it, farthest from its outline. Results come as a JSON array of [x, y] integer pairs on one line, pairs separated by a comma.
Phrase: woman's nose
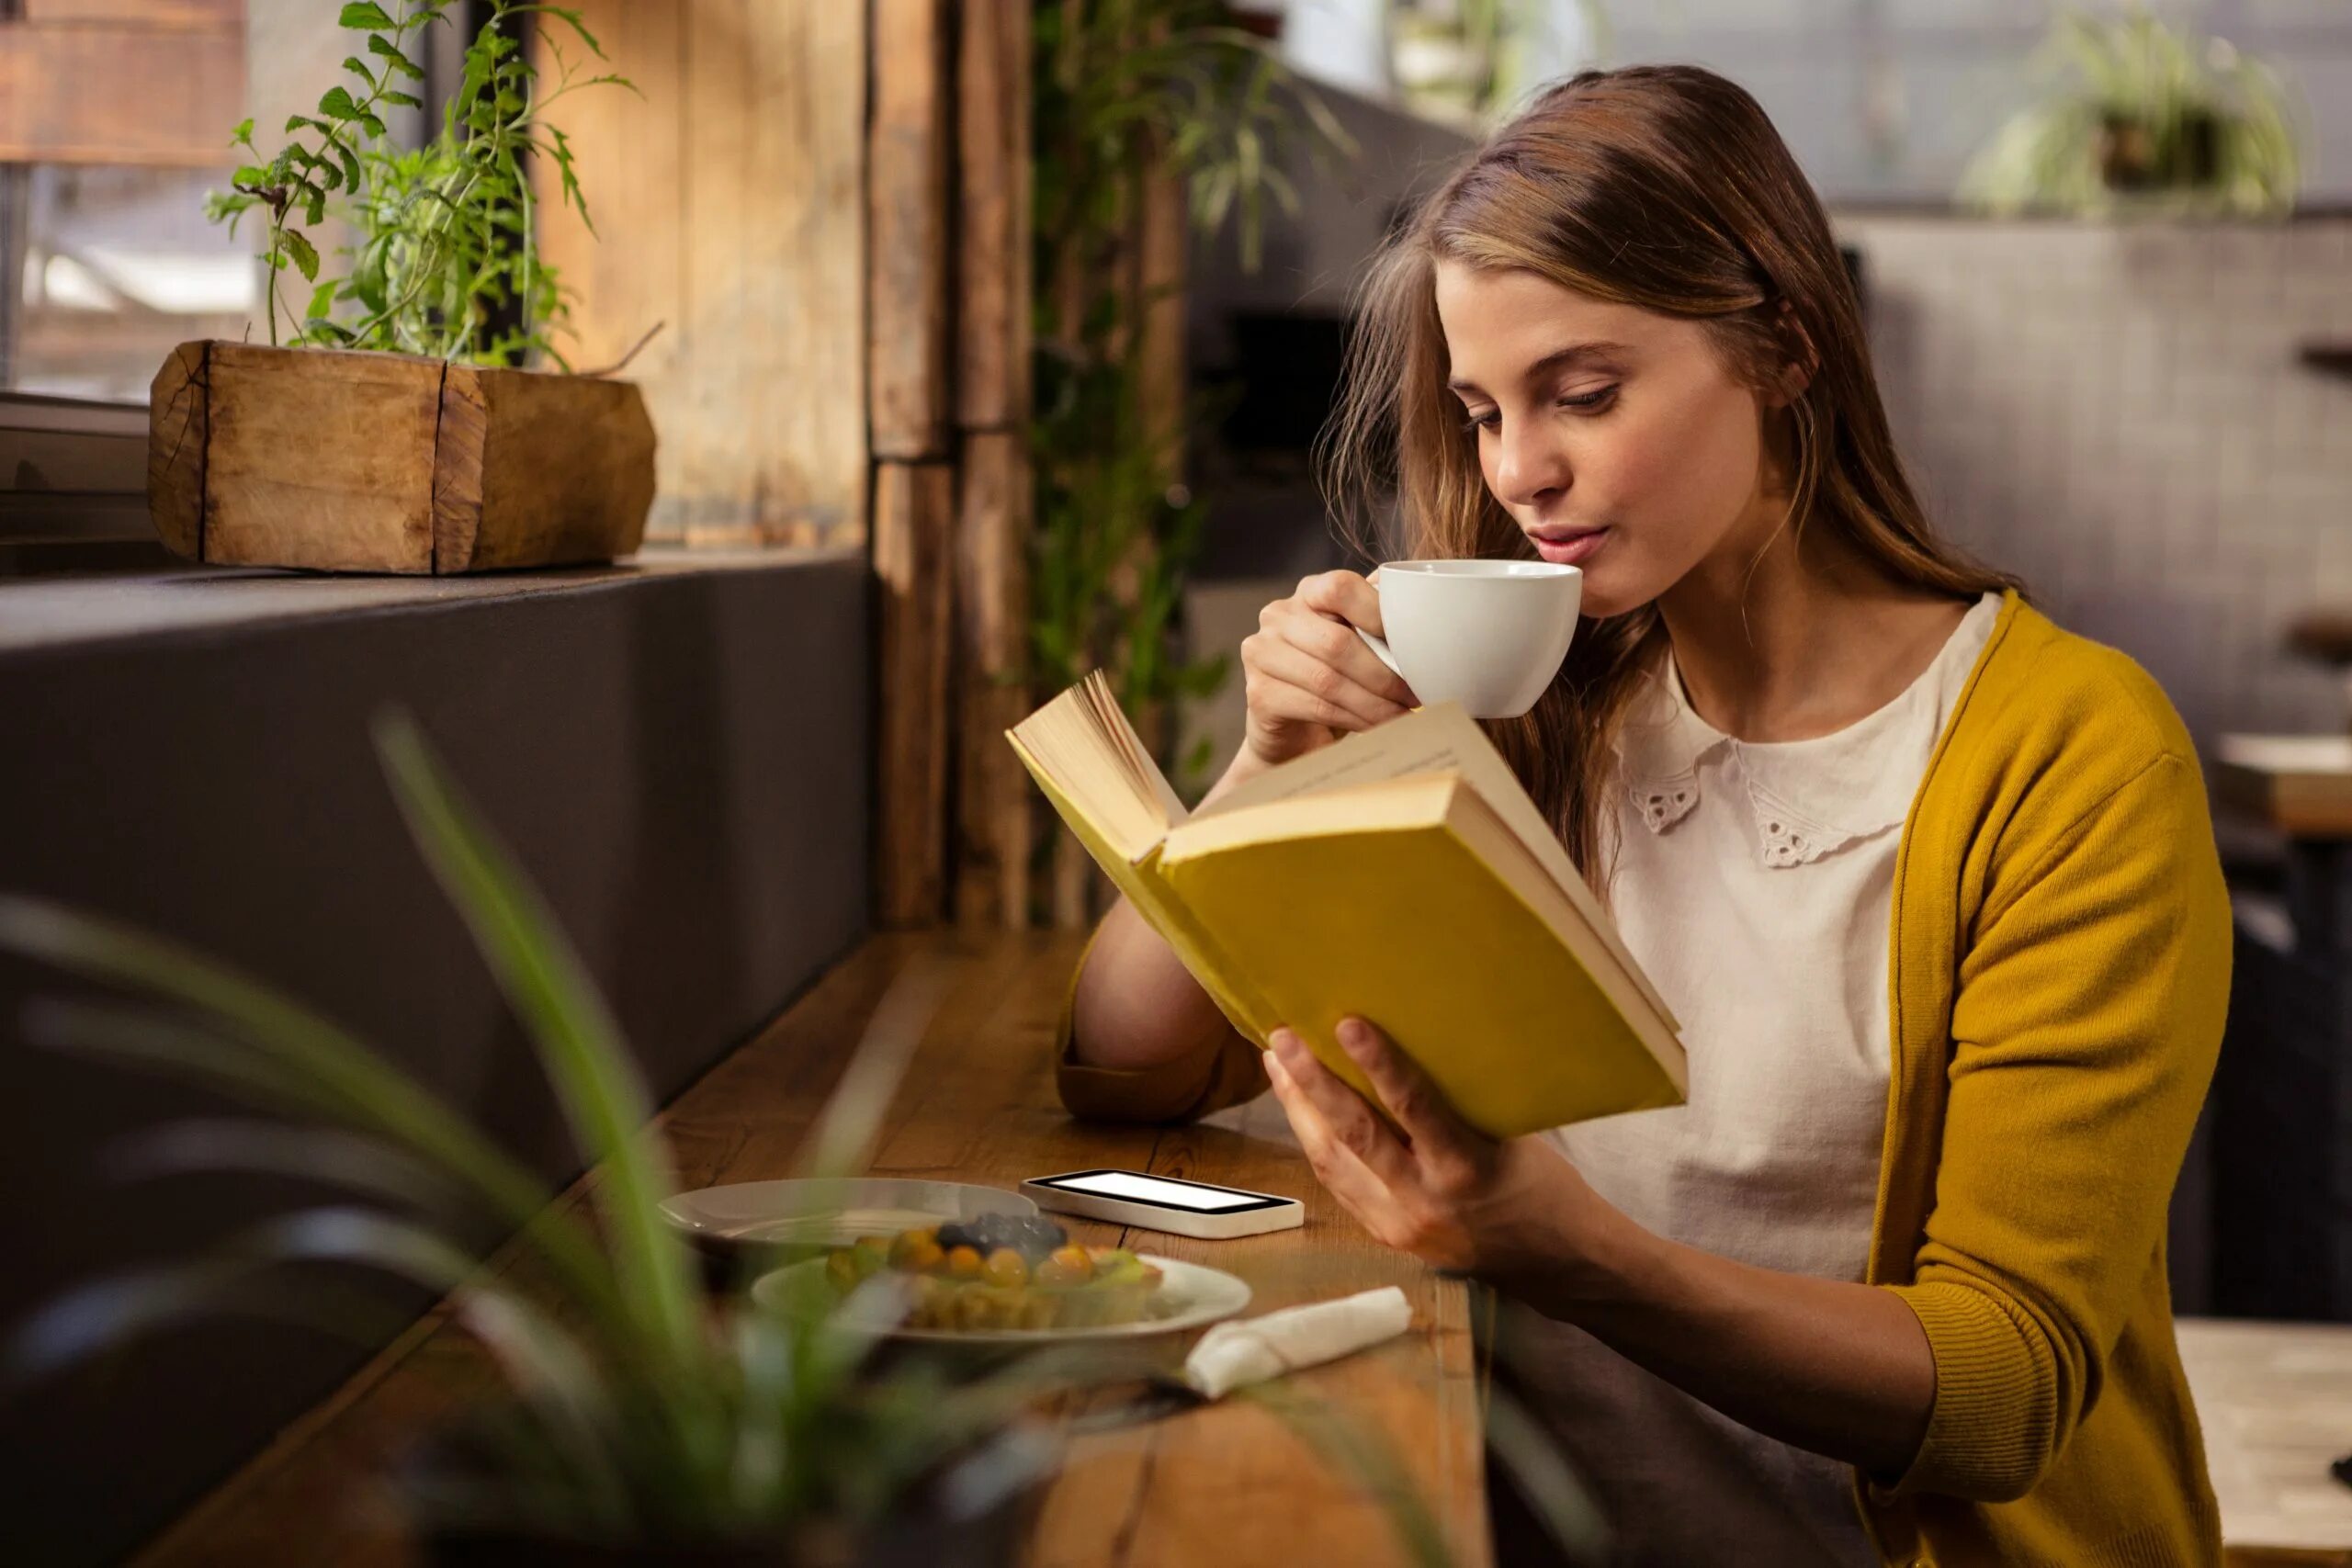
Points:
[[1530, 466]]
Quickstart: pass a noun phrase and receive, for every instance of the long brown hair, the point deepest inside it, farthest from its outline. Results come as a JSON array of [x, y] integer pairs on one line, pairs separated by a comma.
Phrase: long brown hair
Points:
[[1664, 187]]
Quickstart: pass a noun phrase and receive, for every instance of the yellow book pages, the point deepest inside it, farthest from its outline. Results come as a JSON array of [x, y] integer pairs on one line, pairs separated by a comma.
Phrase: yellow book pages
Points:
[[1146, 888], [1408, 925]]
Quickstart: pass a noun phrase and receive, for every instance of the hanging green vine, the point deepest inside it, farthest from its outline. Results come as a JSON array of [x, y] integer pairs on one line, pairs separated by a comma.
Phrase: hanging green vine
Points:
[[1128, 93]]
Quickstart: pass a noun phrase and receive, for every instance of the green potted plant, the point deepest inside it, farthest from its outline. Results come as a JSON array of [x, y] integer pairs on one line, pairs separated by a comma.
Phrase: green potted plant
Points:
[[2136, 117], [397, 418]]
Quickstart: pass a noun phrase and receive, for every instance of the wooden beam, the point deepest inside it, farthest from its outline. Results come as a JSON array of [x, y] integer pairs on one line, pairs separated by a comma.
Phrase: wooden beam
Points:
[[914, 522], [995, 804], [992, 225], [1162, 235], [908, 230], [169, 97]]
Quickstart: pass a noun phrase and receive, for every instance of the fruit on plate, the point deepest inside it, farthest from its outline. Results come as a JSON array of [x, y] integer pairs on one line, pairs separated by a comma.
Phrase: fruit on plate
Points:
[[1001, 1271]]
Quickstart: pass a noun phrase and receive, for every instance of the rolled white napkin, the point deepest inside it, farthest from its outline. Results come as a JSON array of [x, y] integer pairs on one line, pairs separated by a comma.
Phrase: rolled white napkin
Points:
[[1233, 1354]]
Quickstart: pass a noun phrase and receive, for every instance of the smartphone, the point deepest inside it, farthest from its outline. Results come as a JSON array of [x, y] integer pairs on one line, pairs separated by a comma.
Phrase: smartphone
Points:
[[1164, 1203]]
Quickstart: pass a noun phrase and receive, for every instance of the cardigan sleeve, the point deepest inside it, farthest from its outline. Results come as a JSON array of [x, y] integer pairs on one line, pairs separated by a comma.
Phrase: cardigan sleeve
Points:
[[1228, 1073], [2084, 1027]]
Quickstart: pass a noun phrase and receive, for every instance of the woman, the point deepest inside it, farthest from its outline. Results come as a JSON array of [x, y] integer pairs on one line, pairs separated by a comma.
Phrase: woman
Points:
[[1929, 882]]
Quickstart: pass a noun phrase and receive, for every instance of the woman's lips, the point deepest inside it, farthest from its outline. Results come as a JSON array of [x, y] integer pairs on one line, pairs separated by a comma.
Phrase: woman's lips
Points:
[[1569, 546]]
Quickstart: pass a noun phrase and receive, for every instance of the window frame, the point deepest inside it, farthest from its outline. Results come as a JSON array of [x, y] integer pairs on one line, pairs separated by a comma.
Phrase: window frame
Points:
[[73, 471]]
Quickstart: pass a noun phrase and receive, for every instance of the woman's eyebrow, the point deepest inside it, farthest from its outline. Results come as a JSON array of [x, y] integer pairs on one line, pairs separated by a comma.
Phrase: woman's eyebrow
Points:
[[1558, 359]]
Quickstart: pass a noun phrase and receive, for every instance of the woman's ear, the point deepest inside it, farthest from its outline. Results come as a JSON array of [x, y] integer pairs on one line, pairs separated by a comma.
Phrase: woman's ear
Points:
[[1800, 360]]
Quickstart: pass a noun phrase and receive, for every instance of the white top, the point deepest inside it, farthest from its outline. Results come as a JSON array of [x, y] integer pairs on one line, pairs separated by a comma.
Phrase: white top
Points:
[[1755, 884]]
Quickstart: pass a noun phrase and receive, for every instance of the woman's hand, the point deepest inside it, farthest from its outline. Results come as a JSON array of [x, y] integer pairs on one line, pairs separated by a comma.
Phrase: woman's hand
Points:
[[1843, 1369], [1307, 675], [1443, 1191]]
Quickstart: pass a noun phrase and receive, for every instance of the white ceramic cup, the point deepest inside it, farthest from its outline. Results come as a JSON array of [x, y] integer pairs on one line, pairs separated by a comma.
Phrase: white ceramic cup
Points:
[[1487, 633]]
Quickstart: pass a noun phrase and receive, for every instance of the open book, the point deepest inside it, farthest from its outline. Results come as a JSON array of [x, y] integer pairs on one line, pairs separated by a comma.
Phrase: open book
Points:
[[1400, 875]]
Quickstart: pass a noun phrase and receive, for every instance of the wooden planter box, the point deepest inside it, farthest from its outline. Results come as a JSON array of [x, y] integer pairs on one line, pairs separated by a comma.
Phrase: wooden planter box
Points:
[[340, 461]]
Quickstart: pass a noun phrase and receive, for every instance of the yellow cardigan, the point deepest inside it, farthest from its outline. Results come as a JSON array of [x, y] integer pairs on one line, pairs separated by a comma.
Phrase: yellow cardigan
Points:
[[2059, 970]]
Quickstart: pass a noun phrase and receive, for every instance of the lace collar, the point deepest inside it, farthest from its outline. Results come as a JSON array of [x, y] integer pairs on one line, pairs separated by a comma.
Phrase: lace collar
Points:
[[1808, 798]]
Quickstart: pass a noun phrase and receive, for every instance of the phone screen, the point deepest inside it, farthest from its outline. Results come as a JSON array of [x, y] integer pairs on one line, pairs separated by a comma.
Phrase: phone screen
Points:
[[1157, 1190]]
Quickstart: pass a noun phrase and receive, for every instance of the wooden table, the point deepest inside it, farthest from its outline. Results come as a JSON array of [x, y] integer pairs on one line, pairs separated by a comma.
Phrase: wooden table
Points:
[[1226, 1486], [2299, 785]]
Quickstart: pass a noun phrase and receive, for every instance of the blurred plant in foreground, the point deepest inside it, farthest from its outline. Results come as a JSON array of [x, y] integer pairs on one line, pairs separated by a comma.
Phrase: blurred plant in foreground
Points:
[[642, 1412]]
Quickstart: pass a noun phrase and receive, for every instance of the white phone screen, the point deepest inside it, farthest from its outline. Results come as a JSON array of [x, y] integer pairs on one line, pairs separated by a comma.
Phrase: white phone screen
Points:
[[1151, 1189]]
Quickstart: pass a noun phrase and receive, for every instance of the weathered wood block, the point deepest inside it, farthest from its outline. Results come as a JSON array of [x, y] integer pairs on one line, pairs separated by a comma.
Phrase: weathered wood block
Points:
[[340, 461]]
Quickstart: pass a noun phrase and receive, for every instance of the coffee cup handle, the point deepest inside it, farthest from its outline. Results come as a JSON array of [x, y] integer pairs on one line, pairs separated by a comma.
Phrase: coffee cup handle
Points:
[[1379, 647]]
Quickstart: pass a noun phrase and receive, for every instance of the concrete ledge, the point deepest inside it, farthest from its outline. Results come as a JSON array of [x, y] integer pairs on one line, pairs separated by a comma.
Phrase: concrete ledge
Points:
[[70, 611], [678, 751]]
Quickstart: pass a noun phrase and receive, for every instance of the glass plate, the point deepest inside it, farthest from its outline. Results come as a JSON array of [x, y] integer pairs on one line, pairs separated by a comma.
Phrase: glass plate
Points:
[[810, 1215]]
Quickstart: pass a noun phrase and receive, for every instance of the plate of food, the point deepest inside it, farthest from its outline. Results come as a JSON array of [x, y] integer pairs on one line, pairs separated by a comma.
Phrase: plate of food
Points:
[[1003, 1279], [778, 1221]]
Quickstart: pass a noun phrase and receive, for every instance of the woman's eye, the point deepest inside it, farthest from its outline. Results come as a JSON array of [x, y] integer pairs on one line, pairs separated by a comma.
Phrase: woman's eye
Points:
[[1489, 420], [1584, 403]]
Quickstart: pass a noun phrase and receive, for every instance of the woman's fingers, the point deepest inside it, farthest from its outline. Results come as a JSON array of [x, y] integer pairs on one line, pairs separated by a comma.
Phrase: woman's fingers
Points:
[[1419, 1106], [1343, 1176], [1352, 1124], [1271, 660], [1328, 635], [1347, 595]]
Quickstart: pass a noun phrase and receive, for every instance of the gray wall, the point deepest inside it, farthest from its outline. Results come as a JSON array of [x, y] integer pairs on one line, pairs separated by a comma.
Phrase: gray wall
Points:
[[1886, 100], [2117, 412], [680, 761], [1882, 100]]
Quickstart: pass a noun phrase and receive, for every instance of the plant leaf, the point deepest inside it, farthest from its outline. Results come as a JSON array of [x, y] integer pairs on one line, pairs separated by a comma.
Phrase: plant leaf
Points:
[[573, 18], [1558, 1499], [305, 255], [388, 52], [363, 1165], [1364, 1455], [322, 299], [841, 1144], [597, 1082], [338, 104], [293, 1055], [364, 14], [105, 1313]]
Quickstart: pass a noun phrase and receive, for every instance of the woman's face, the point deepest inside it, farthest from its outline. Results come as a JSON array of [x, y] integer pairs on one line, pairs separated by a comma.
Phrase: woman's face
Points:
[[1615, 436]]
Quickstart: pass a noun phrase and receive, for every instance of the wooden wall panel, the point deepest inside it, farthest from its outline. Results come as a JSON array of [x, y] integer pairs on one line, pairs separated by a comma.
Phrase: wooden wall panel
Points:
[[995, 803], [170, 97], [908, 228], [997, 814], [914, 566], [992, 238], [729, 205], [629, 275]]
